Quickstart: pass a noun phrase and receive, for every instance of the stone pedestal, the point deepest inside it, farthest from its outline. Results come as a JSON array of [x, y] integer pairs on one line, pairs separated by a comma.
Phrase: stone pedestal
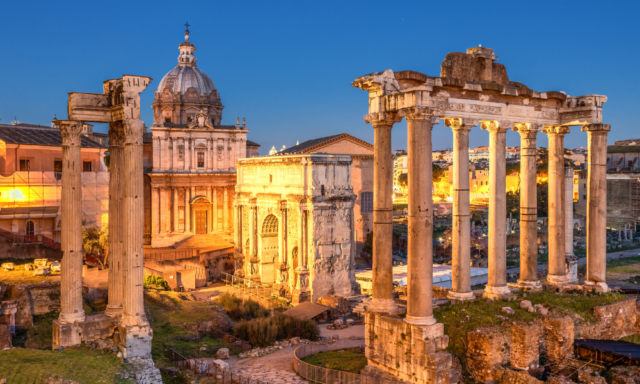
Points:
[[528, 208], [597, 206], [301, 292], [93, 328], [497, 288], [135, 340], [399, 351]]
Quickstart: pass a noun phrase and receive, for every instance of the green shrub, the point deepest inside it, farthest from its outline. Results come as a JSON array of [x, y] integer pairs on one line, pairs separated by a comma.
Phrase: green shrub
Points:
[[263, 331], [237, 309], [152, 281]]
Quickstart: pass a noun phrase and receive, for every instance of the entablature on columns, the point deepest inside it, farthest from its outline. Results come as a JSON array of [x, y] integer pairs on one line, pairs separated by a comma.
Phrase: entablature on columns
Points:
[[494, 98]]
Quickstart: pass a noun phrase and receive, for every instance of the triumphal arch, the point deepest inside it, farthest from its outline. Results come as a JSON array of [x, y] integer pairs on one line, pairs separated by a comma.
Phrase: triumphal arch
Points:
[[118, 105], [472, 90]]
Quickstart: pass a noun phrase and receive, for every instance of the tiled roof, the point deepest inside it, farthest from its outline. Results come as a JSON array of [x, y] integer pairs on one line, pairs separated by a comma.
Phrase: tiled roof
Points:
[[623, 148], [308, 145], [252, 143], [29, 135]]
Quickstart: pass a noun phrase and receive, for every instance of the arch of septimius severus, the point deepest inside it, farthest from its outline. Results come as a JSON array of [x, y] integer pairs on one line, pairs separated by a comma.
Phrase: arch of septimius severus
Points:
[[472, 90], [119, 106]]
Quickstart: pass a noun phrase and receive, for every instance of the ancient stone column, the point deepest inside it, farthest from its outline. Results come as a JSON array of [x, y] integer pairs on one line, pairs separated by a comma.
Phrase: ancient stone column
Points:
[[557, 263], [570, 258], [528, 207], [187, 210], [71, 236], [133, 208], [497, 285], [155, 204], [116, 197], [420, 218], [176, 213], [382, 298], [461, 237], [225, 210], [597, 206], [215, 209]]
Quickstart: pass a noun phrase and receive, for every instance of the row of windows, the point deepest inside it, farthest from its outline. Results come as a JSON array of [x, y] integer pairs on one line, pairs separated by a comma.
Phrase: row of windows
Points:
[[25, 165]]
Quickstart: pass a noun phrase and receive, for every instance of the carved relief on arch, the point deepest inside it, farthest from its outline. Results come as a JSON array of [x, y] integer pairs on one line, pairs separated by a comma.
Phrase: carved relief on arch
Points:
[[167, 95], [191, 95]]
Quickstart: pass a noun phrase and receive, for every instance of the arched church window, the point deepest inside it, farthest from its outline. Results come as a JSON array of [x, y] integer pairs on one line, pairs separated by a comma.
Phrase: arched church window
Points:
[[270, 225]]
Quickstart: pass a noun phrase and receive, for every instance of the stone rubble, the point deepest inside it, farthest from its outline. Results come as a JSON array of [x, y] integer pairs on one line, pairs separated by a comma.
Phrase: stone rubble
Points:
[[145, 371], [270, 375]]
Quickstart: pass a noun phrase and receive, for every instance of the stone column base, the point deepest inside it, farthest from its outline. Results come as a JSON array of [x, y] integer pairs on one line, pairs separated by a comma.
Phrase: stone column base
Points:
[[572, 268], [135, 340], [417, 355], [599, 287], [460, 296], [529, 286], [93, 328], [558, 280], [239, 273], [498, 293], [383, 306]]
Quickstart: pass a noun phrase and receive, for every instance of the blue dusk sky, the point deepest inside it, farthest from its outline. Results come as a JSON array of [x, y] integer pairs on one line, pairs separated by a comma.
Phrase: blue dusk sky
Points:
[[287, 66]]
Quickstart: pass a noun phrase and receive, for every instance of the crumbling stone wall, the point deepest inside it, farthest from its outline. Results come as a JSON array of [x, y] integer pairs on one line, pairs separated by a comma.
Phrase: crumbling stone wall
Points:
[[486, 351], [559, 337], [525, 345], [615, 321], [33, 299]]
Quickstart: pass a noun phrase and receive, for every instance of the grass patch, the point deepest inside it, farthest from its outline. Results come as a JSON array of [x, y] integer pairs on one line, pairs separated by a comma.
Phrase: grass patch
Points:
[[21, 276], [83, 365], [350, 360], [635, 339]]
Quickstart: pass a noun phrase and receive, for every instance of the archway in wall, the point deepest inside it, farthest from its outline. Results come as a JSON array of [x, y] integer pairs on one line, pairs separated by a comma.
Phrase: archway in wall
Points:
[[31, 228], [269, 248]]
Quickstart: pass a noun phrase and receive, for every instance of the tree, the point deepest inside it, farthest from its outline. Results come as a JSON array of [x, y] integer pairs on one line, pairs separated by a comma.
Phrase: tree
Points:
[[368, 244], [513, 168], [94, 242], [436, 172], [513, 203], [403, 180], [477, 217]]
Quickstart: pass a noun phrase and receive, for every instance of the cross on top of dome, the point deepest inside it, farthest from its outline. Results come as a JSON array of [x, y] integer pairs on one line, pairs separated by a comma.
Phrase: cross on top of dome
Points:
[[187, 50]]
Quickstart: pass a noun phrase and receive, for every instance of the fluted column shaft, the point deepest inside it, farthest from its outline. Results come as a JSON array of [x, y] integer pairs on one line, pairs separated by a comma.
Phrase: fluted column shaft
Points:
[[225, 210], [461, 233], [528, 207], [176, 213], [133, 208], [382, 300], [597, 205], [116, 197], [71, 210], [420, 219], [187, 210], [497, 285], [557, 261]]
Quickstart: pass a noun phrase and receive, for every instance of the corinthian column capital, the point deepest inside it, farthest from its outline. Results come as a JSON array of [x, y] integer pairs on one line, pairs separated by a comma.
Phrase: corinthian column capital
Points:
[[71, 132], [379, 119], [555, 130], [460, 123], [604, 128], [497, 126], [133, 130], [116, 134]]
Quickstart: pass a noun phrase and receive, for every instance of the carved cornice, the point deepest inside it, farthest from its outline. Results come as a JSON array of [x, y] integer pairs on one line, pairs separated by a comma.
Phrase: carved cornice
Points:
[[497, 126], [71, 132], [555, 130], [603, 128], [460, 123], [382, 119]]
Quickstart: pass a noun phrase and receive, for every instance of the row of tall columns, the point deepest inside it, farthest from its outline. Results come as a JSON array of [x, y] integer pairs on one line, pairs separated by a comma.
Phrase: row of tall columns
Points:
[[568, 212], [166, 217]]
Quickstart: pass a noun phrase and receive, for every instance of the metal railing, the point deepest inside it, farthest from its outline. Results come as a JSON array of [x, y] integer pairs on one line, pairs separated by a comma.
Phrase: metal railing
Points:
[[29, 238], [256, 289], [321, 374]]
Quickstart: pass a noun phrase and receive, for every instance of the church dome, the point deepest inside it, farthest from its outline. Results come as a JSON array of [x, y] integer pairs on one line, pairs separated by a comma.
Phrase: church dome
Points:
[[187, 74], [183, 77]]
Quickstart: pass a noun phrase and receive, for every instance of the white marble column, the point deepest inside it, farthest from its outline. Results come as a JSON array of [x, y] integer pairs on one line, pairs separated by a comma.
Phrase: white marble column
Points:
[[71, 234], [133, 208], [597, 206], [557, 262], [568, 209], [497, 285], [382, 298], [528, 207], [116, 200], [420, 219], [461, 233]]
